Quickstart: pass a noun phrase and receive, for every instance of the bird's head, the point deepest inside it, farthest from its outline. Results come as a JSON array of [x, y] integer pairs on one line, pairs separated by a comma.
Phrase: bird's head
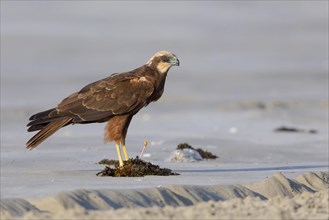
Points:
[[162, 61]]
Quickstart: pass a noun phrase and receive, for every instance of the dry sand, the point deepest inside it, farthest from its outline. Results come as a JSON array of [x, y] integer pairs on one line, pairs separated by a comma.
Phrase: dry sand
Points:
[[277, 197]]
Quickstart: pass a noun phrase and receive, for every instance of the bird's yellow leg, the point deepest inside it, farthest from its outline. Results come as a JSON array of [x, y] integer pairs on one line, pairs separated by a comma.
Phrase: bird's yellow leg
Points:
[[119, 154], [123, 145]]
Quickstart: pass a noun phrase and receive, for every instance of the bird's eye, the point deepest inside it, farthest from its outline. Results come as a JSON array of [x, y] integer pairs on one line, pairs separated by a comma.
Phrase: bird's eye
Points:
[[166, 59]]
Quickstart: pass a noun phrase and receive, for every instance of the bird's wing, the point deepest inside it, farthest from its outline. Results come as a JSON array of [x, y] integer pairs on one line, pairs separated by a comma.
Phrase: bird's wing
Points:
[[115, 95]]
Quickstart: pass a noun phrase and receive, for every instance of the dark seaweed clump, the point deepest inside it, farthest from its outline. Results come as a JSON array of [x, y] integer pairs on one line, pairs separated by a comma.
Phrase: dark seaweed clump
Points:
[[204, 154], [134, 167], [296, 130], [114, 163]]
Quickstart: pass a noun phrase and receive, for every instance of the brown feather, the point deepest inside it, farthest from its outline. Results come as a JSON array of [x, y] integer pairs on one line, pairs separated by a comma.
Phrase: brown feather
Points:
[[47, 131], [115, 99], [116, 128], [120, 93]]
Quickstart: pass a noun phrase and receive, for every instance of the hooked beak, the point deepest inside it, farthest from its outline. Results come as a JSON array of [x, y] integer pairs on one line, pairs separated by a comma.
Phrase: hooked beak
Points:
[[175, 62]]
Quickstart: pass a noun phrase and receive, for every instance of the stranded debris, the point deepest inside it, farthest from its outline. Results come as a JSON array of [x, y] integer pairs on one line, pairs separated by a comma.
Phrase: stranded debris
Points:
[[134, 167], [295, 130], [204, 154]]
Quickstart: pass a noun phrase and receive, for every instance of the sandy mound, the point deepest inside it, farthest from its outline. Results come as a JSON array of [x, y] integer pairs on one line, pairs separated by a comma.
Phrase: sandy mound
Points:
[[276, 197]]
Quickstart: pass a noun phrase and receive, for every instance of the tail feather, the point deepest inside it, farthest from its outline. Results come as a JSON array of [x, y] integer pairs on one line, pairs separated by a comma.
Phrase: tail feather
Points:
[[43, 121], [37, 127], [47, 131], [42, 115]]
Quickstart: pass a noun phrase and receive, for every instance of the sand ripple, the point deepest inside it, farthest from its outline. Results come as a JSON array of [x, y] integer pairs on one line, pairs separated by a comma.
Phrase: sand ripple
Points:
[[277, 197]]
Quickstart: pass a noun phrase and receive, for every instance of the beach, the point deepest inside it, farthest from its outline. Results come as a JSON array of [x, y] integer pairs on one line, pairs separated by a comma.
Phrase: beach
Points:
[[252, 88]]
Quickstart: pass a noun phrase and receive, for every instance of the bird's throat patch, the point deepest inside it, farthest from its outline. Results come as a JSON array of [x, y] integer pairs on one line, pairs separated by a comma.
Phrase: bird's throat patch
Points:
[[163, 67]]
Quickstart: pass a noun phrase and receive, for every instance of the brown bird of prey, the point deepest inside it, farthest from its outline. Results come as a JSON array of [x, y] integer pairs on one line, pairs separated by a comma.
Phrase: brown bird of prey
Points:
[[115, 100]]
